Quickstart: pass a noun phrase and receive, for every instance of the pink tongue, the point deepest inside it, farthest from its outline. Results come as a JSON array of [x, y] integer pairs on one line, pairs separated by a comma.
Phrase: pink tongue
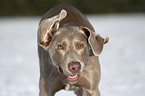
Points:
[[72, 78]]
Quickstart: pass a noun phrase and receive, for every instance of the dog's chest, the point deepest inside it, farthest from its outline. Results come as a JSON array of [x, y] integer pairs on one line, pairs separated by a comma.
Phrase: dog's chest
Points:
[[65, 93]]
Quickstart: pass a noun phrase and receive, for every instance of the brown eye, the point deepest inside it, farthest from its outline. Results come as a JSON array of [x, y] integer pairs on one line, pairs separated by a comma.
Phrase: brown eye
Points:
[[81, 46], [60, 47]]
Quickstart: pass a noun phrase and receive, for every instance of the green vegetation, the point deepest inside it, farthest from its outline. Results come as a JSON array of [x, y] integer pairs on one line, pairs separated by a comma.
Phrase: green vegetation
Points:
[[39, 7]]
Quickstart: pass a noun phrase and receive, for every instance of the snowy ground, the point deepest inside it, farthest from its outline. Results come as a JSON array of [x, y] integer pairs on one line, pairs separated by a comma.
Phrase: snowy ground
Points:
[[122, 61]]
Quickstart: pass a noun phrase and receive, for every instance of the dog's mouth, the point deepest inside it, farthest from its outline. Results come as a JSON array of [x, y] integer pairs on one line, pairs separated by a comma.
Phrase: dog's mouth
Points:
[[71, 78]]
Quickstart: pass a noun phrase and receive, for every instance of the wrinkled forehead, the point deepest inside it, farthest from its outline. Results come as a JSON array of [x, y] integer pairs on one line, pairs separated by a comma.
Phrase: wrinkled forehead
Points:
[[71, 34]]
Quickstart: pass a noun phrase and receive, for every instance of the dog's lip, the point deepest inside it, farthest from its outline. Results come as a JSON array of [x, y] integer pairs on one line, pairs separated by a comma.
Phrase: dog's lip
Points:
[[61, 71], [71, 78]]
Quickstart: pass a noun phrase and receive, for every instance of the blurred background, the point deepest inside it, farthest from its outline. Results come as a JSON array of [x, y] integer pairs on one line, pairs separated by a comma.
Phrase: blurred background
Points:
[[122, 60], [39, 7]]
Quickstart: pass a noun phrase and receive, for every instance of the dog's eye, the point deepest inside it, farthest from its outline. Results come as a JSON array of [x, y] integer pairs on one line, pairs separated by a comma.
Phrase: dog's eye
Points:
[[81, 46], [59, 47]]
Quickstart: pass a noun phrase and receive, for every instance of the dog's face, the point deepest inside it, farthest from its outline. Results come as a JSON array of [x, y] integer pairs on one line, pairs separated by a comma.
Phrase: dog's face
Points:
[[69, 51], [69, 46]]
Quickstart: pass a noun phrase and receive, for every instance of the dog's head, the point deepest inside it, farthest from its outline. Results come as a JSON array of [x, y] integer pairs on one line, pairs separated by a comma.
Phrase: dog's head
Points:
[[69, 47]]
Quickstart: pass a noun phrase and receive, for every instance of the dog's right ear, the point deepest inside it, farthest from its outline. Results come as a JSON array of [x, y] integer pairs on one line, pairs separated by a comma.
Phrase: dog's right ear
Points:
[[95, 41], [48, 28]]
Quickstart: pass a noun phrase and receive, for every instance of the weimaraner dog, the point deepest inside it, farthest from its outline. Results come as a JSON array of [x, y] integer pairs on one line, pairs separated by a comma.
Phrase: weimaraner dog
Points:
[[68, 53]]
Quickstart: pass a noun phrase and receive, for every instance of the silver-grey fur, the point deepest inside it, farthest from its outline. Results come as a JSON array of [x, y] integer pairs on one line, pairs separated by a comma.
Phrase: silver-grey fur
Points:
[[66, 39]]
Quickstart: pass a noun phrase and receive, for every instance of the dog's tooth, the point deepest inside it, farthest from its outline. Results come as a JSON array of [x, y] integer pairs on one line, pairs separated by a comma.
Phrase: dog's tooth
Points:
[[73, 76]]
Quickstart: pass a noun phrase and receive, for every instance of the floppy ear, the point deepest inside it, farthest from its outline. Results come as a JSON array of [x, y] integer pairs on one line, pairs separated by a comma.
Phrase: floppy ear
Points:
[[95, 41], [48, 28]]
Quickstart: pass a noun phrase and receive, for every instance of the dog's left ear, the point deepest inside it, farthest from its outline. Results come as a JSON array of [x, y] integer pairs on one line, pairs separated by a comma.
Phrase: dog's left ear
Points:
[[95, 41], [48, 29]]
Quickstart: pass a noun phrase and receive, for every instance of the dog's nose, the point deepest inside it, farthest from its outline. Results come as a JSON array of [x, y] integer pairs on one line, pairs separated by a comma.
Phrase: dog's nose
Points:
[[74, 67]]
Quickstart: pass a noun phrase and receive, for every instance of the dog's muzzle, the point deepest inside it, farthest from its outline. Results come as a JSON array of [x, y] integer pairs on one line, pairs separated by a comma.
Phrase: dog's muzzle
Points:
[[74, 68]]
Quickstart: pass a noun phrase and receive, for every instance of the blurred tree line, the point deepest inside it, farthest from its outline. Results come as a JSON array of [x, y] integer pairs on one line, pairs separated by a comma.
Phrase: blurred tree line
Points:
[[39, 7]]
